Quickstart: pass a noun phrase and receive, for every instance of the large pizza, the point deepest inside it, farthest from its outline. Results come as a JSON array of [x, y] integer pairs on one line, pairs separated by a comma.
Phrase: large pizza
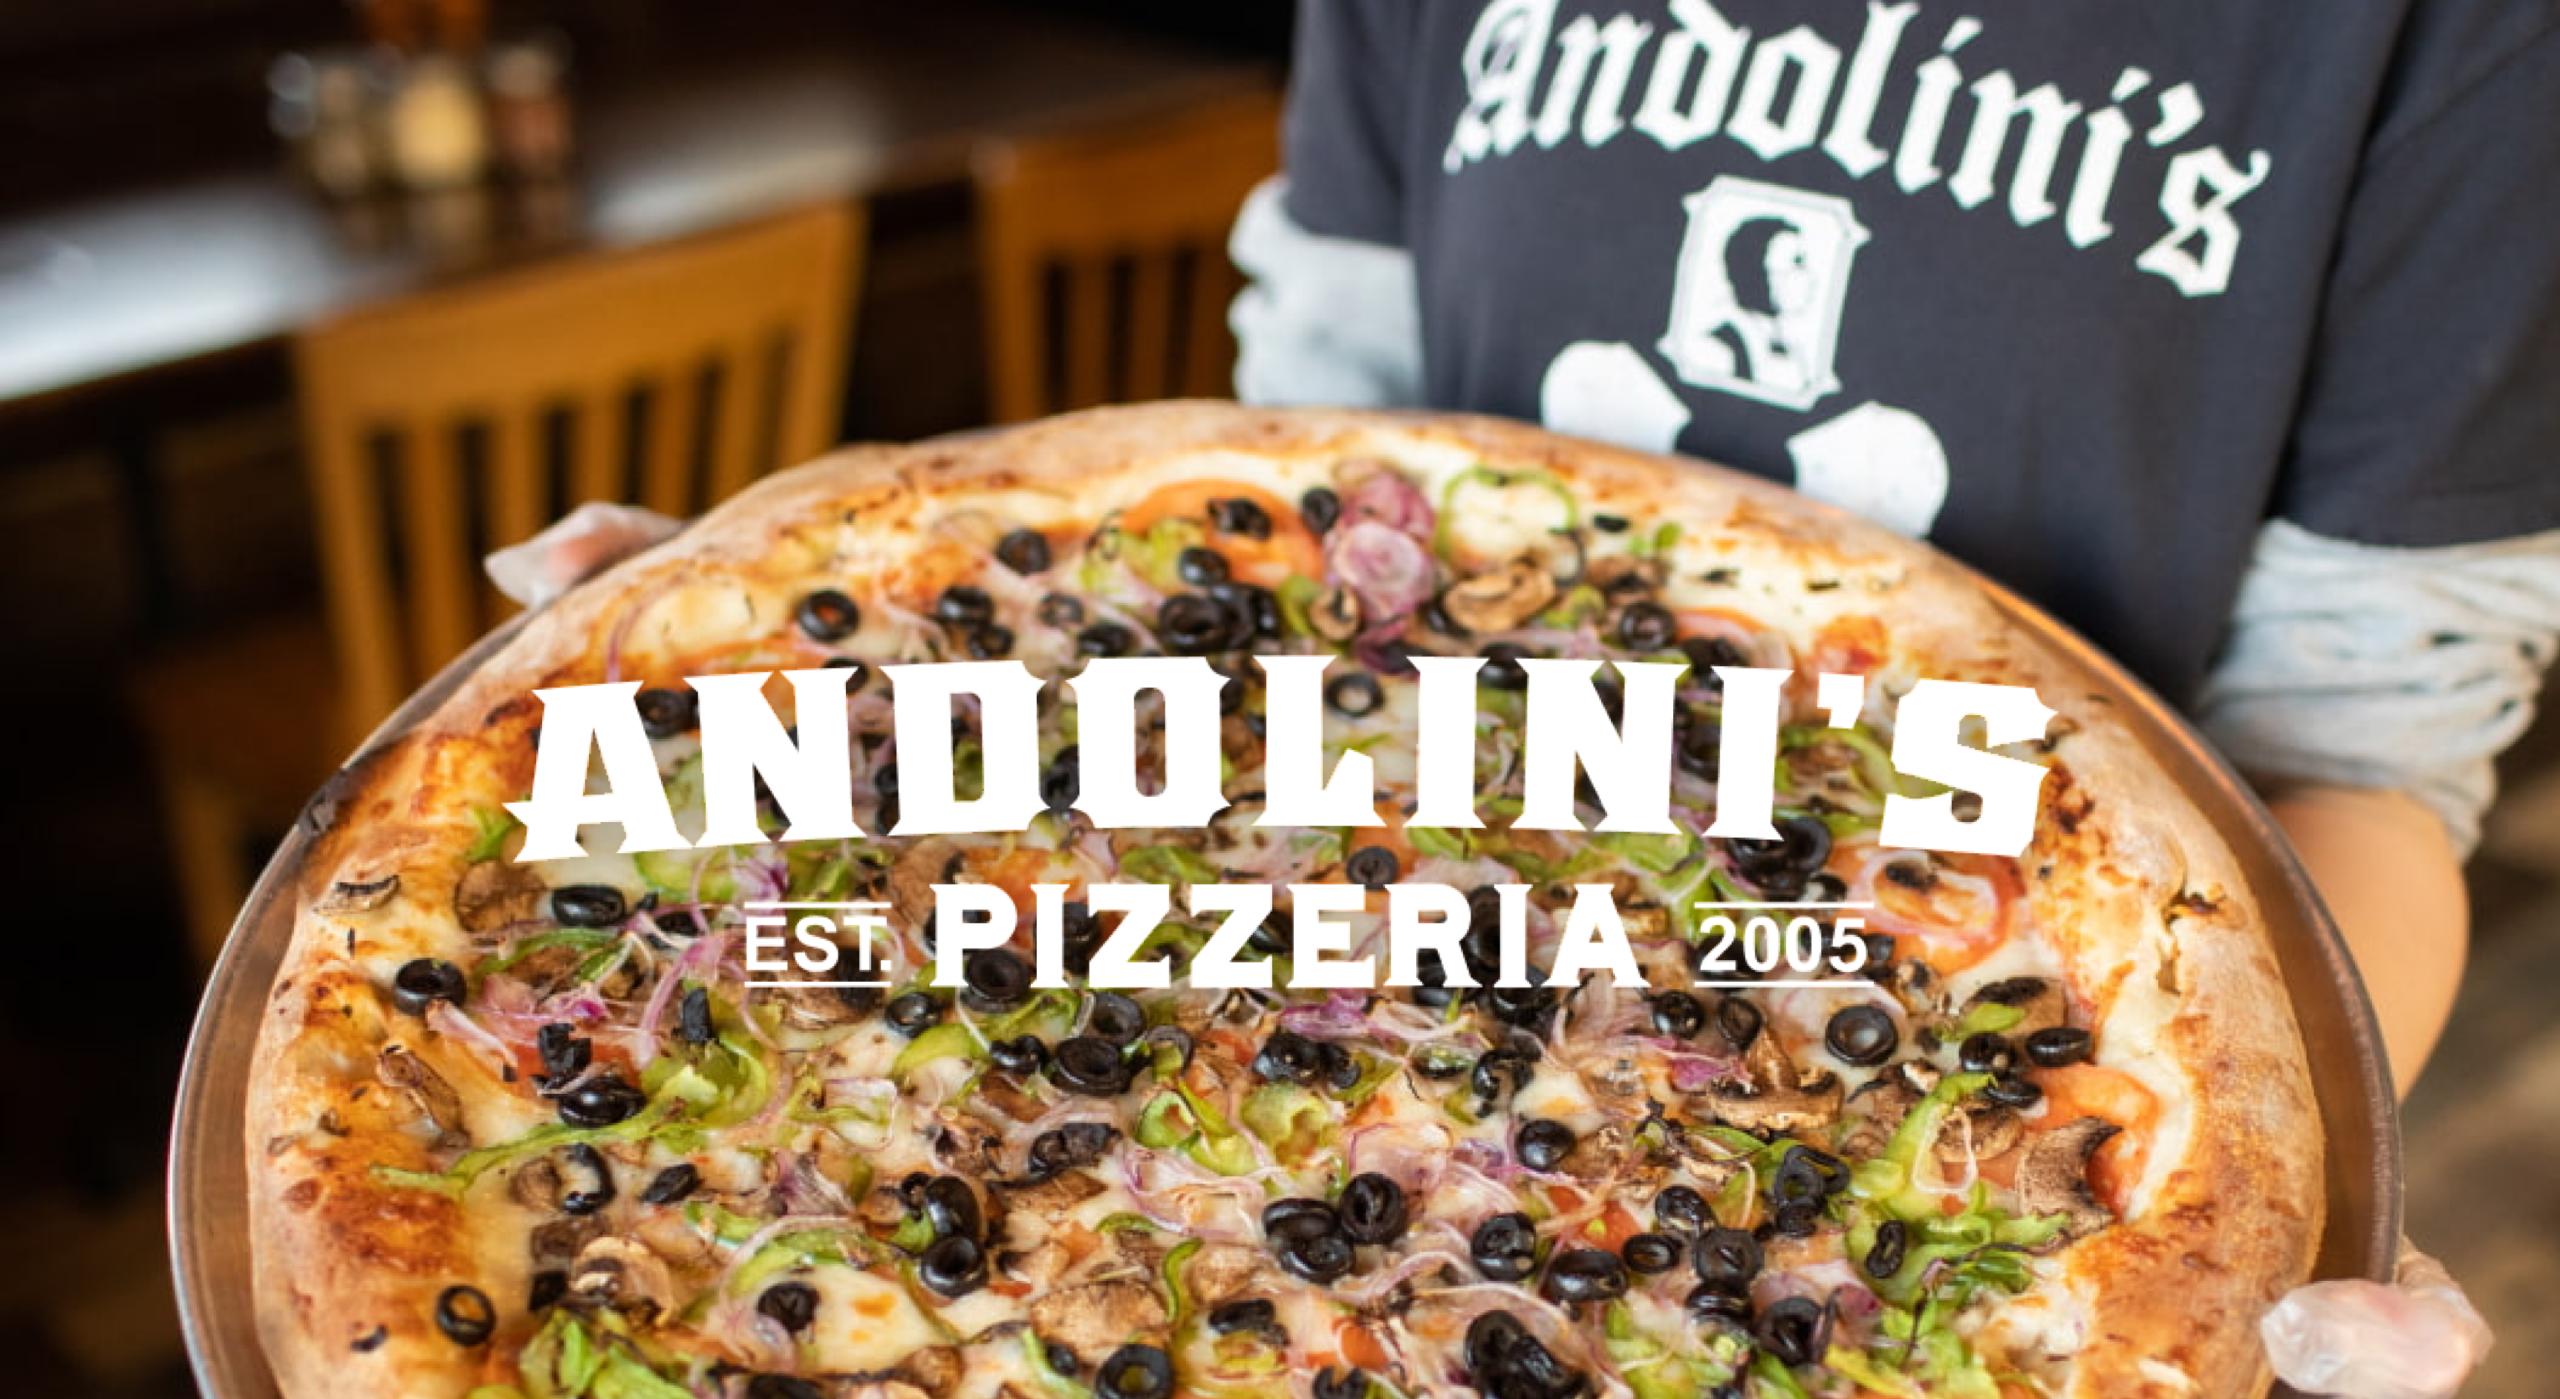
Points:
[[522, 1129]]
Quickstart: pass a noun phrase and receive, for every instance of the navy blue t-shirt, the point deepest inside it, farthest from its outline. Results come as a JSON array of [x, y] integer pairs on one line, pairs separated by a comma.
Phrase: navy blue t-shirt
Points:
[[2084, 292]]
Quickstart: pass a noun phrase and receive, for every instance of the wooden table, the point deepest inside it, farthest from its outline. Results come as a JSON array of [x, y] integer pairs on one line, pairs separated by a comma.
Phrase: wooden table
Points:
[[119, 316], [94, 293]]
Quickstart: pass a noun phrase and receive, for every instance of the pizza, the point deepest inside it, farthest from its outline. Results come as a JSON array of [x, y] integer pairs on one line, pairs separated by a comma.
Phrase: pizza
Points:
[[520, 1130]]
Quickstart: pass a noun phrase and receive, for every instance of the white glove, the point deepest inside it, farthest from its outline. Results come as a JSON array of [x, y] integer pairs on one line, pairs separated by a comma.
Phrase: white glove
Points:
[[582, 542], [2416, 1337]]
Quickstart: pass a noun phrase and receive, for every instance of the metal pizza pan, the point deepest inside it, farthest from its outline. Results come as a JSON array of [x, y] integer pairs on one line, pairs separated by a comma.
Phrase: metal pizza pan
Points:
[[208, 1183]]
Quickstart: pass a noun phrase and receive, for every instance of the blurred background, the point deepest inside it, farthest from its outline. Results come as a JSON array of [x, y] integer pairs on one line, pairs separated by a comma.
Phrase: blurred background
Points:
[[306, 304]]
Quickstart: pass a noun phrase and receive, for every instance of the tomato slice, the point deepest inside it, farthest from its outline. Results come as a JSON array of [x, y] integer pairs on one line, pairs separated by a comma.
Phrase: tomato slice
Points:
[[2088, 1090], [1360, 1348], [1291, 549], [1961, 914]]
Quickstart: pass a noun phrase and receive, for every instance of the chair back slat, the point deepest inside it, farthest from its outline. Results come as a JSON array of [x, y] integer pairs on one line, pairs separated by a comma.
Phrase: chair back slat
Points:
[[517, 501], [1088, 342], [1145, 373], [742, 414], [434, 544], [1209, 355], [1084, 242], [675, 415], [508, 399], [598, 445]]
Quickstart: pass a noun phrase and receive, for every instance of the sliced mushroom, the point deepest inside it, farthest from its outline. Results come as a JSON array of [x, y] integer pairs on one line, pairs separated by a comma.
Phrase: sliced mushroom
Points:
[[1598, 1155], [1825, 768], [1646, 921], [619, 1274], [2054, 1178], [670, 1237], [825, 1007], [1100, 1317], [1053, 1196], [2039, 997], [934, 1369], [536, 1185], [1625, 574], [967, 1146], [494, 894], [1501, 598], [1773, 1098], [1982, 1133], [1219, 1272], [911, 880], [1874, 1111], [357, 895], [1711, 1161], [549, 969], [1776, 1111], [1613, 1073], [1335, 614], [556, 1243], [994, 1091], [883, 1208], [1139, 1252], [1918, 1075], [1915, 984], [397, 1068], [1039, 1266]]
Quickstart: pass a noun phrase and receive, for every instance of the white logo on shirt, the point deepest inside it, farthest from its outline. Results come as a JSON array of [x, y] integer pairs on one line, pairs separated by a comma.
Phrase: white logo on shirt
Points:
[[1990, 142], [1756, 308], [1756, 304]]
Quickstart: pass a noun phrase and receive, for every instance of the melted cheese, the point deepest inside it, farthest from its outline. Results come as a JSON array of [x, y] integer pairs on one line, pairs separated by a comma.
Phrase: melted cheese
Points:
[[865, 1322]]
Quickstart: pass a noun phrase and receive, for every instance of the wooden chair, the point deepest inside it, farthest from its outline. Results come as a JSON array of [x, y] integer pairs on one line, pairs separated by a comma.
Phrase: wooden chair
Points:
[[459, 420], [1103, 256], [669, 377]]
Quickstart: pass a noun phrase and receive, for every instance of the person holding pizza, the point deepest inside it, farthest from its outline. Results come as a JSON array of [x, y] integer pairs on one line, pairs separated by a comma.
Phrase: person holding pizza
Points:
[[2231, 340]]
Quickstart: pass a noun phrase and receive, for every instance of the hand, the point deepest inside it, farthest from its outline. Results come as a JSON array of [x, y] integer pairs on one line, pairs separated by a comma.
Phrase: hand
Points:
[[583, 542], [2416, 1337]]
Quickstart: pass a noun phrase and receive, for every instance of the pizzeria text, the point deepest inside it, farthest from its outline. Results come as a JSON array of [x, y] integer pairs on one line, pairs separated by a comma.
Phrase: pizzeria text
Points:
[[595, 766]]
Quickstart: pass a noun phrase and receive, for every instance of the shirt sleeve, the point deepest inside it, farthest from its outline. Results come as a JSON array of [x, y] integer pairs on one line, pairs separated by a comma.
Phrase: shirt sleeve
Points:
[[1343, 135], [2430, 415], [2364, 666], [1324, 321]]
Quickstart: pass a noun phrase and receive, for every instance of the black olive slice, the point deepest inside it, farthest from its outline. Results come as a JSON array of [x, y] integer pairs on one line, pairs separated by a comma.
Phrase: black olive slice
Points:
[[672, 1185], [953, 1266], [667, 713], [1091, 1066], [1862, 1035], [1543, 1143], [465, 1315], [1134, 1371], [425, 981], [2062, 1044], [1024, 551], [828, 615], [1372, 867], [793, 1304], [588, 906], [1586, 1275], [1373, 1209]]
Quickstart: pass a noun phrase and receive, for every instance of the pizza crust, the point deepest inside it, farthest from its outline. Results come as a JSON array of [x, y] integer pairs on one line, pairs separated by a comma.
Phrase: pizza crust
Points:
[[2223, 1224]]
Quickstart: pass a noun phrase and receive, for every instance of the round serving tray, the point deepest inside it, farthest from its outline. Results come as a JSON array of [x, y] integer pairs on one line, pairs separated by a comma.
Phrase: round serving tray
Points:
[[208, 1169]]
